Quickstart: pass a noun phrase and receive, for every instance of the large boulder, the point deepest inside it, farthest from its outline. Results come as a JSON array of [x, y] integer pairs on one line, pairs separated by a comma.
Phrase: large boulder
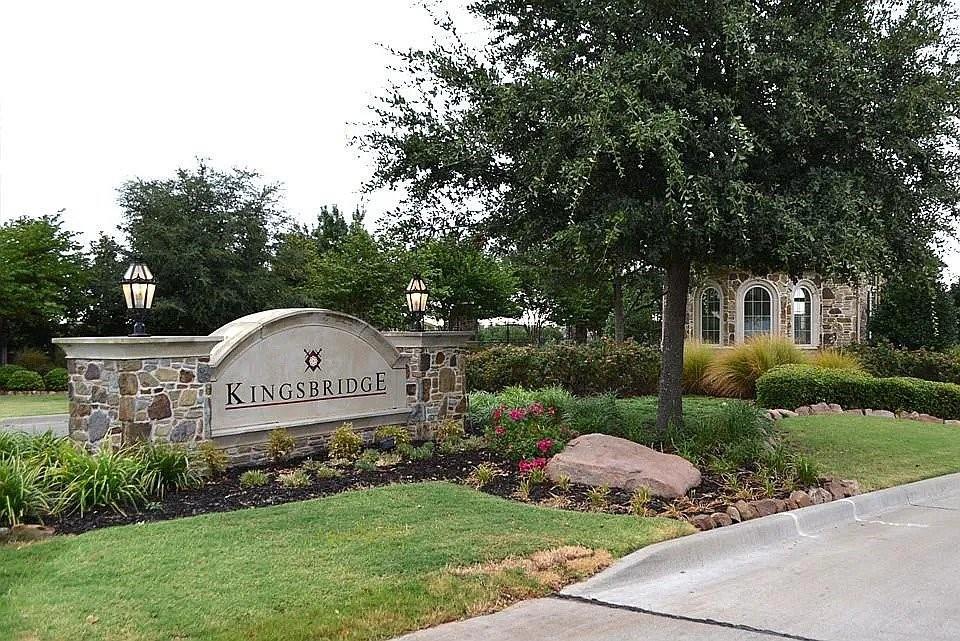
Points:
[[598, 459]]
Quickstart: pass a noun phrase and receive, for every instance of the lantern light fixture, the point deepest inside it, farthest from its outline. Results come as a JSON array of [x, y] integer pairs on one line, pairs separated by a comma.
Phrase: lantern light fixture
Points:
[[139, 286], [417, 295]]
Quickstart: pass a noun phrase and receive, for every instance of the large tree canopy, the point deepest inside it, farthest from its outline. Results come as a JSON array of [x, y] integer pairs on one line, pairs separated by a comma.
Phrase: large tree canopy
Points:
[[771, 134]]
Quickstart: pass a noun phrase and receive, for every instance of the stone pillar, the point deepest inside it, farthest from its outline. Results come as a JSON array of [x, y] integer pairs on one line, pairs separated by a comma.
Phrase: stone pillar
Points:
[[436, 376], [129, 389]]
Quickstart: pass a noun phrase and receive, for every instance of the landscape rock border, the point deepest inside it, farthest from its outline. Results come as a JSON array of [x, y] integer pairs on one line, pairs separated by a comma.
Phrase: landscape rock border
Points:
[[742, 510], [821, 409]]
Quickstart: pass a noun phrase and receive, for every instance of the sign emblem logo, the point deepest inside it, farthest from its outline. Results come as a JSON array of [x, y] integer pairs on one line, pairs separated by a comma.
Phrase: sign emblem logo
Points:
[[313, 359]]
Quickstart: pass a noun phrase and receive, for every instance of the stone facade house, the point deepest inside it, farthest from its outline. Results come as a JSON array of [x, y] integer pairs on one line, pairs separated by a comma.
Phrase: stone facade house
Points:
[[730, 306]]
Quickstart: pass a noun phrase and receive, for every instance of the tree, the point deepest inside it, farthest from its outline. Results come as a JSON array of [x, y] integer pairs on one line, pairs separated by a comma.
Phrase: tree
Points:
[[777, 135], [103, 311], [915, 309], [207, 235], [465, 283], [40, 279]]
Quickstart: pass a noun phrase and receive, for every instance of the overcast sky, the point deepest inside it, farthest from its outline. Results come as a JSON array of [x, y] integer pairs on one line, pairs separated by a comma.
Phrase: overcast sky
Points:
[[95, 93]]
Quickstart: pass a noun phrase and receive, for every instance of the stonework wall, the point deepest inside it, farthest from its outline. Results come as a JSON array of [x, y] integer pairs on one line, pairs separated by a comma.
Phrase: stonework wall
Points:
[[842, 307], [436, 378], [128, 401]]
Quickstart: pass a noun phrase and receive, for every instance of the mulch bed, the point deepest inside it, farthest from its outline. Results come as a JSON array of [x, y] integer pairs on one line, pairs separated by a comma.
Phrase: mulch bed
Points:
[[224, 494]]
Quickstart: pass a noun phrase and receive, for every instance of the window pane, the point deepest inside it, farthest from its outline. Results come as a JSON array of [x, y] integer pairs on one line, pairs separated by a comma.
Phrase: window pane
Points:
[[710, 316], [757, 312], [802, 317]]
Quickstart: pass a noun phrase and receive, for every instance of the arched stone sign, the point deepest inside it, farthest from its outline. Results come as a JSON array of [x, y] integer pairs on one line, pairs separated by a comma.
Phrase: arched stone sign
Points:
[[303, 368]]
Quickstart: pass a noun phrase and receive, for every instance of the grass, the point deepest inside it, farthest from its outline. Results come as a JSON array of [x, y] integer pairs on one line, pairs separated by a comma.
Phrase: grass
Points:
[[368, 564], [39, 405], [877, 452], [642, 410]]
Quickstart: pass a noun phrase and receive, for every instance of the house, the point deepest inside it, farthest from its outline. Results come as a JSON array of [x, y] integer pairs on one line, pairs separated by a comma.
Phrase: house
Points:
[[730, 306]]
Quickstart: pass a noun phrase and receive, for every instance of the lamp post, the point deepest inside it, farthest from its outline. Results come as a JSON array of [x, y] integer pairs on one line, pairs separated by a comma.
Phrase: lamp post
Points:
[[138, 285], [417, 295]]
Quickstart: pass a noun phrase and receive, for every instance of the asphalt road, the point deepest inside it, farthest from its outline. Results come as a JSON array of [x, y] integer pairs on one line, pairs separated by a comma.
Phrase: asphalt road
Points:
[[56, 423], [890, 575]]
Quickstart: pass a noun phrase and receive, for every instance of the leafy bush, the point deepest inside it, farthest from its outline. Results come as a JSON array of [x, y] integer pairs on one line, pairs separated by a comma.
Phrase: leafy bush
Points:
[[109, 478], [345, 443], [23, 492], [164, 467], [527, 432], [6, 371], [884, 360], [793, 386], [696, 359], [325, 472], [34, 360], [835, 359], [25, 381], [734, 372], [367, 462], [448, 431], [280, 445], [295, 479], [56, 380], [736, 434], [213, 459], [625, 369], [422, 453], [482, 404], [253, 478], [398, 433]]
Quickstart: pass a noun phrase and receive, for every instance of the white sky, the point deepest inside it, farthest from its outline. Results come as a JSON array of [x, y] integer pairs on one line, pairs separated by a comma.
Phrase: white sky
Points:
[[94, 93]]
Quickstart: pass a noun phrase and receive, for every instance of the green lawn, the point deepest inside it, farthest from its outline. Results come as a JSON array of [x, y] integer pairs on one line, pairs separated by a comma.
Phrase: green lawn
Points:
[[360, 565], [877, 452], [40, 405]]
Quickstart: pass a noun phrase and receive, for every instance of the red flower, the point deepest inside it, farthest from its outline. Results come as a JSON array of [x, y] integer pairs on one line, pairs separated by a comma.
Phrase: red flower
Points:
[[528, 465], [536, 408], [544, 445], [499, 431], [518, 414], [497, 413]]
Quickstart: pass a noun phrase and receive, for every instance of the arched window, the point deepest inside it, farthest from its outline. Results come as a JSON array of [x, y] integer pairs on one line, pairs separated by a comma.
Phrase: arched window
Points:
[[757, 312], [802, 316], [710, 316]]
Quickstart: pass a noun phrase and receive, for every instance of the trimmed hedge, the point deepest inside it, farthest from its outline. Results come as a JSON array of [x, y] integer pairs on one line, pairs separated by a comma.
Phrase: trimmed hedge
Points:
[[56, 380], [6, 371], [793, 386], [600, 367], [886, 360], [25, 381]]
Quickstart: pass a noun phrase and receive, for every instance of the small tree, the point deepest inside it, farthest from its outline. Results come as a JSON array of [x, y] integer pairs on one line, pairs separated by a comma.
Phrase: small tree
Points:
[[916, 310]]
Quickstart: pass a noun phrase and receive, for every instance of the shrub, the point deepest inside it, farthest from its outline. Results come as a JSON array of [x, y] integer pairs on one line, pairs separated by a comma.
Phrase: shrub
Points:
[[109, 478], [793, 386], [56, 380], [213, 459], [599, 498], [367, 462], [25, 381], [563, 483], [280, 445], [596, 415], [6, 371], [734, 372], [34, 360], [398, 433], [22, 491], [521, 432], [640, 501], [295, 479], [886, 361], [163, 467], [481, 475], [835, 359], [388, 459], [46, 450], [482, 404], [253, 478], [325, 472], [345, 443], [422, 453], [696, 359], [737, 433], [625, 369], [448, 430]]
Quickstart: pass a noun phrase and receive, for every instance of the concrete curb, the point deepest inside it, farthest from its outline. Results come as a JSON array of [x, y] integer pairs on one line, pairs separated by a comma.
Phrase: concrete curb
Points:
[[725, 544]]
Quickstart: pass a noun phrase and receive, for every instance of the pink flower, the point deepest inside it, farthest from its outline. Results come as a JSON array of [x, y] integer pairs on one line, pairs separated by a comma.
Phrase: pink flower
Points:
[[536, 408], [528, 465], [544, 445], [518, 414], [497, 413], [499, 431]]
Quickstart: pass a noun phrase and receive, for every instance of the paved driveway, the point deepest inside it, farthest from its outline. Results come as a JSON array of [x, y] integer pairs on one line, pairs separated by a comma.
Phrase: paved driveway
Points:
[[892, 575], [56, 423]]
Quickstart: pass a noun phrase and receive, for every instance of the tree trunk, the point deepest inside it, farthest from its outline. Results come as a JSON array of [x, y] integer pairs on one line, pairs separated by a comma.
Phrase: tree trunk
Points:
[[618, 320], [670, 406], [580, 332]]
